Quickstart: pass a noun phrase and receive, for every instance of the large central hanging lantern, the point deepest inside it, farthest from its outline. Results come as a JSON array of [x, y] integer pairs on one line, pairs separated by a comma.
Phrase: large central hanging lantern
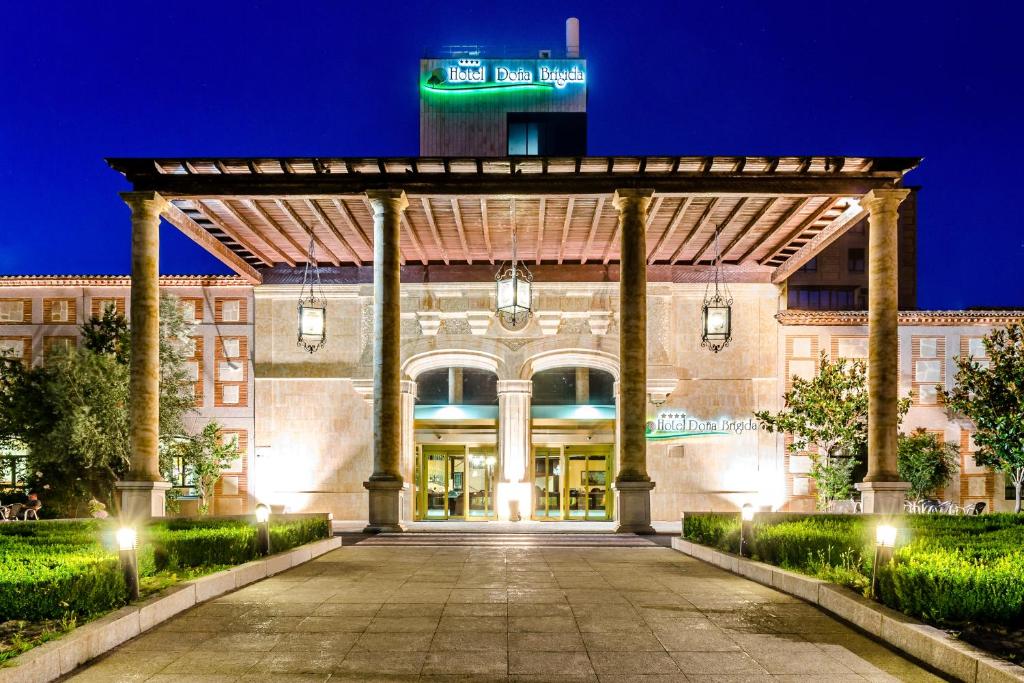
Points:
[[716, 316], [514, 293], [312, 305]]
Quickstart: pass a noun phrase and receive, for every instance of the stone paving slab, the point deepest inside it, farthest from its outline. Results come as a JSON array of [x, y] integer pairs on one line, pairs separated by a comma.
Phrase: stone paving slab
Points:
[[610, 615]]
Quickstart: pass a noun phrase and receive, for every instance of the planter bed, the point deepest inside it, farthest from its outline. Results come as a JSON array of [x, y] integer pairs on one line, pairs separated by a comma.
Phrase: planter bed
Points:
[[57, 574], [961, 574]]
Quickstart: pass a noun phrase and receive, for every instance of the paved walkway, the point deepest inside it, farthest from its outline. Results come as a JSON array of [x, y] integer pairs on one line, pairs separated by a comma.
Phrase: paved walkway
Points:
[[513, 613]]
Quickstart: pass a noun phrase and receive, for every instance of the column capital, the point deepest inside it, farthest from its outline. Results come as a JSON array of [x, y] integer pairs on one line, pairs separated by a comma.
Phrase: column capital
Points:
[[382, 200], [145, 202], [627, 197], [515, 386], [884, 200]]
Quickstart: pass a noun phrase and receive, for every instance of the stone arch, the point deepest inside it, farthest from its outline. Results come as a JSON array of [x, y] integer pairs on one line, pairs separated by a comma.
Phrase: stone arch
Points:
[[568, 358], [451, 358]]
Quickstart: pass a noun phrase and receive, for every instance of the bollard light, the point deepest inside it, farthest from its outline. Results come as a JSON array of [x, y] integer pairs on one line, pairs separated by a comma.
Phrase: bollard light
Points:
[[885, 541], [885, 536], [127, 541], [263, 529], [746, 528]]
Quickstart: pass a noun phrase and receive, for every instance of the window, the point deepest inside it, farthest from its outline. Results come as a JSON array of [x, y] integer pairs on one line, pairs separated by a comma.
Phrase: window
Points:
[[547, 133], [813, 298], [855, 260], [231, 371], [231, 311], [811, 266], [192, 367], [192, 310], [188, 347], [562, 387], [976, 348], [12, 348], [12, 311], [13, 469], [928, 363], [232, 346], [59, 311], [56, 346], [478, 387], [230, 394], [850, 347]]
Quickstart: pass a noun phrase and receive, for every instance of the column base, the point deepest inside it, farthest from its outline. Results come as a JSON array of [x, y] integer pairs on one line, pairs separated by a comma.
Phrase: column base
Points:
[[883, 497], [385, 514], [142, 500], [633, 507]]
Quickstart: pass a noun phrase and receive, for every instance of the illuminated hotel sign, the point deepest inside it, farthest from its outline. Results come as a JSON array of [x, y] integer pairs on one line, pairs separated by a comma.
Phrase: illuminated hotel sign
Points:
[[676, 424], [474, 75]]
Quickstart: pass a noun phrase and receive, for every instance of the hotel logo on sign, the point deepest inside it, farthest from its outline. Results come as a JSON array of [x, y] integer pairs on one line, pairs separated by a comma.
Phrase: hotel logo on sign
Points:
[[468, 75], [676, 424]]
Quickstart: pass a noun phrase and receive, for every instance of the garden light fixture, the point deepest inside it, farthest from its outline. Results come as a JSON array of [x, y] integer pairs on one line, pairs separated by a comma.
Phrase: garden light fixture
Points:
[[263, 529], [746, 528], [885, 541], [127, 540]]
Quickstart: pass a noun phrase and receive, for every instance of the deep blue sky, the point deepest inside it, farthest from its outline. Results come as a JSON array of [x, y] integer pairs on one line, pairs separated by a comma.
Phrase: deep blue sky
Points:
[[85, 80]]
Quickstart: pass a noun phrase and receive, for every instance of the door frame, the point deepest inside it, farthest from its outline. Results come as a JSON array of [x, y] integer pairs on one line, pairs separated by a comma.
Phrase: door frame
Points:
[[608, 450], [451, 452]]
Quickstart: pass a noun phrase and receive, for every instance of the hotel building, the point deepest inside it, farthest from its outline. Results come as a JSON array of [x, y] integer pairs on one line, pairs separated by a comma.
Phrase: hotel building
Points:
[[602, 403]]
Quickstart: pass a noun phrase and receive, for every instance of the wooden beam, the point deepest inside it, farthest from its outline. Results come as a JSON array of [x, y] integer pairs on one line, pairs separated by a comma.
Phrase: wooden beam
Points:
[[701, 222], [301, 248], [327, 223], [720, 229], [212, 185], [804, 224], [433, 228], [829, 234], [770, 232], [232, 233], [487, 229], [565, 227], [745, 230], [593, 229], [297, 220], [203, 238], [540, 229], [414, 239], [670, 229], [353, 225], [457, 213], [259, 233]]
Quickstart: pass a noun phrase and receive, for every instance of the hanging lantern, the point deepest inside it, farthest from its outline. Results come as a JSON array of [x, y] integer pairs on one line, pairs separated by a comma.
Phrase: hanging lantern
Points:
[[716, 316], [514, 293], [312, 305]]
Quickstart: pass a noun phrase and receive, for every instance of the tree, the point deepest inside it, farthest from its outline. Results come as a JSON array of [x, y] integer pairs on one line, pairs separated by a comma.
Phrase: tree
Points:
[[926, 463], [203, 457], [72, 412], [991, 395], [827, 415]]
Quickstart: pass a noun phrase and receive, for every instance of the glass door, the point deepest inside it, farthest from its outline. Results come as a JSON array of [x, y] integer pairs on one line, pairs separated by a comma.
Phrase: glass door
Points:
[[480, 483], [547, 483]]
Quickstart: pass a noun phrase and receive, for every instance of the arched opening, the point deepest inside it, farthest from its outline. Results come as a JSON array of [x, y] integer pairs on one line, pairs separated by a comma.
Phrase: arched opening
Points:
[[573, 443], [456, 442]]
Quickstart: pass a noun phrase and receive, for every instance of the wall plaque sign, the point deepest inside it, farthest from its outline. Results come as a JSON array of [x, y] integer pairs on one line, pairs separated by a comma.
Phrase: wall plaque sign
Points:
[[677, 424]]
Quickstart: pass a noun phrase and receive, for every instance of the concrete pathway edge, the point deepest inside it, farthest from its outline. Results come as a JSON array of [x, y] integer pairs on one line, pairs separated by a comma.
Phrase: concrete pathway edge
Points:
[[59, 657], [927, 644]]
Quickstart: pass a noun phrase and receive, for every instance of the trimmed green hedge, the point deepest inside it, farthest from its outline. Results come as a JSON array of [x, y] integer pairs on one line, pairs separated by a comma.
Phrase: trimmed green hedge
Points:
[[56, 570], [947, 570]]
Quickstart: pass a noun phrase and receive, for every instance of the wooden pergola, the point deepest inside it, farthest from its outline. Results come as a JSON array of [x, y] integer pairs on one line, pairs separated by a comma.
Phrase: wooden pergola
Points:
[[773, 213]]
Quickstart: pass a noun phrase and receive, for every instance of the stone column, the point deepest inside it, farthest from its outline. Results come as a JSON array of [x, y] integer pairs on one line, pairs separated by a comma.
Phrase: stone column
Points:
[[454, 386], [385, 484], [408, 460], [632, 484], [582, 386], [142, 491], [514, 444], [882, 491]]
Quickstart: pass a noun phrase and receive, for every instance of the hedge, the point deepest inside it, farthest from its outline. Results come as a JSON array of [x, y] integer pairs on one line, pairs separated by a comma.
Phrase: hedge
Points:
[[948, 570], [69, 569]]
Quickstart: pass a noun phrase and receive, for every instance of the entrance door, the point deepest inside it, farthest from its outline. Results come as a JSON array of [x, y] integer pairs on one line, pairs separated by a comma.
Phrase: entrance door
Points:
[[571, 482], [456, 483]]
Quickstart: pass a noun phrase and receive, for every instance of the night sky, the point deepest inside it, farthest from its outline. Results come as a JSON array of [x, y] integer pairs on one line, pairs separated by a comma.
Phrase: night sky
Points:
[[85, 80]]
